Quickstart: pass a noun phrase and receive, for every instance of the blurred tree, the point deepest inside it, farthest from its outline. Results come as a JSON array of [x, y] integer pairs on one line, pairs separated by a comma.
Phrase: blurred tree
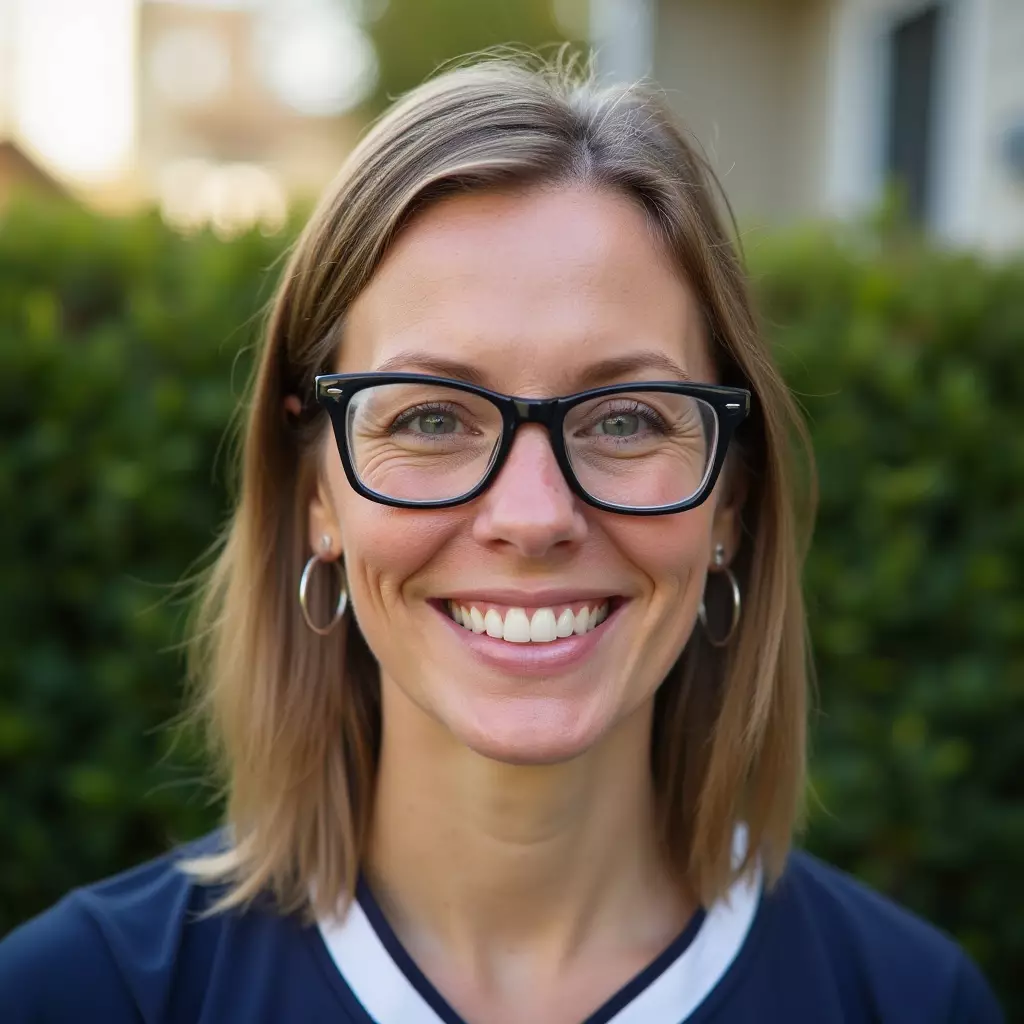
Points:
[[414, 37]]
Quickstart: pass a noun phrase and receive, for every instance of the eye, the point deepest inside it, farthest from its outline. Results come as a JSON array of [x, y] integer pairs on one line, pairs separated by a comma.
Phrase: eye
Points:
[[625, 419], [434, 423], [432, 420], [620, 424]]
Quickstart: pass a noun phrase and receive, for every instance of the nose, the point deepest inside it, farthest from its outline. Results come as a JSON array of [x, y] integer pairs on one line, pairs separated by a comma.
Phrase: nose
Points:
[[529, 506]]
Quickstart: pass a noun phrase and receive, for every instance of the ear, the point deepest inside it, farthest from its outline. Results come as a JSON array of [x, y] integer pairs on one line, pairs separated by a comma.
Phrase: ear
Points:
[[726, 527], [323, 522]]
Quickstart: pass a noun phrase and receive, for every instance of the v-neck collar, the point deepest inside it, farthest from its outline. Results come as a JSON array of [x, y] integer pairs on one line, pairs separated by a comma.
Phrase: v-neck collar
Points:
[[386, 983]]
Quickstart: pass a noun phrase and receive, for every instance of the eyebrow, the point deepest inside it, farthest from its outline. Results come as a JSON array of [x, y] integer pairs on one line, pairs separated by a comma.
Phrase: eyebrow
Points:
[[632, 363], [596, 374], [426, 362]]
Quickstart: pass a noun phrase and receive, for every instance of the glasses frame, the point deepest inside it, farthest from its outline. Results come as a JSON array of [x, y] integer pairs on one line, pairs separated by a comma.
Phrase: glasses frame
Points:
[[334, 392]]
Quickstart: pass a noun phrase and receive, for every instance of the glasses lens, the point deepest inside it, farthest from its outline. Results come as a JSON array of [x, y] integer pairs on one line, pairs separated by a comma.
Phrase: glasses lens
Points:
[[421, 442], [642, 449]]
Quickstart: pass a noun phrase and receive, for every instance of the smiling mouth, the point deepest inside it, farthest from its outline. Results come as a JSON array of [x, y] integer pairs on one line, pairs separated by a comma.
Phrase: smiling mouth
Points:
[[542, 625]]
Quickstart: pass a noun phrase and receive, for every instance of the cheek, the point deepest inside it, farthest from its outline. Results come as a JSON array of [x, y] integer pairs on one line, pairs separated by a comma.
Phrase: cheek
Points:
[[677, 553], [672, 551], [383, 546]]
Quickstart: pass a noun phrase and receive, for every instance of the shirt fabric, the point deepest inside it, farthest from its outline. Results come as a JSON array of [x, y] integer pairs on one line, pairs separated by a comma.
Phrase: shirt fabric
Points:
[[817, 948]]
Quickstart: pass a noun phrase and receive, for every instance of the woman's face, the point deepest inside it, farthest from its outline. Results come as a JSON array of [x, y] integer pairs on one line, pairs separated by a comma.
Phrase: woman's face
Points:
[[534, 295]]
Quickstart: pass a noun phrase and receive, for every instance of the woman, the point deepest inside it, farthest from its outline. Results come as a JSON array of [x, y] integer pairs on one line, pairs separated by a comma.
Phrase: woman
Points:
[[488, 757]]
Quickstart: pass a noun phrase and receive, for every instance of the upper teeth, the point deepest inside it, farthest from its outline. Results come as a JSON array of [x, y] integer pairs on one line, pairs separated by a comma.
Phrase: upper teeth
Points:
[[545, 625]]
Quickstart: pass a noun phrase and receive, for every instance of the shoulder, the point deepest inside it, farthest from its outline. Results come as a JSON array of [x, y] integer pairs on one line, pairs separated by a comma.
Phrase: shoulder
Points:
[[877, 952], [107, 951]]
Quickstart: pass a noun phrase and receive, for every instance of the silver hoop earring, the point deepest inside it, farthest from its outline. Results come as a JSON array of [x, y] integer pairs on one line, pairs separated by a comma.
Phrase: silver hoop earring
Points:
[[307, 573], [734, 583]]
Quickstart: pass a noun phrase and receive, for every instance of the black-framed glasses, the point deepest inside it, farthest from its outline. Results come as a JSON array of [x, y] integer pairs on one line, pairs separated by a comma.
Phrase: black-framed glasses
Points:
[[413, 440]]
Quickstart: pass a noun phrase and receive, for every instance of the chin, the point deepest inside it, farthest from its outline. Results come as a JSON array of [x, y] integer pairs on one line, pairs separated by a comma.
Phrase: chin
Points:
[[534, 733]]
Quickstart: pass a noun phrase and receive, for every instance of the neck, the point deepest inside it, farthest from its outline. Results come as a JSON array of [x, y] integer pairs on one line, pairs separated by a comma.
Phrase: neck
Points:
[[475, 855]]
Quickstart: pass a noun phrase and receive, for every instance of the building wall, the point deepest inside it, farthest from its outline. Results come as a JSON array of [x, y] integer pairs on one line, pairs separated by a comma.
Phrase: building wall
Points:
[[859, 80], [1002, 195], [981, 93], [790, 99], [232, 152], [242, 119], [748, 78]]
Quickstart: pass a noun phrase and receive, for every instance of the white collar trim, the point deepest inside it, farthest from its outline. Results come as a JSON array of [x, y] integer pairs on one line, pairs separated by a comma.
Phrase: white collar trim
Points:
[[389, 997]]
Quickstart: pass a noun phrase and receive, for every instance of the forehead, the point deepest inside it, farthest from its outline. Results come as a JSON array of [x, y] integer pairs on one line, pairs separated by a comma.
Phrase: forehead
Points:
[[530, 291]]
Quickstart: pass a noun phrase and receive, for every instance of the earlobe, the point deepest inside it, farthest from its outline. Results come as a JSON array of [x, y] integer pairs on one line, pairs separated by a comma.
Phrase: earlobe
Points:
[[726, 528], [323, 523], [725, 536]]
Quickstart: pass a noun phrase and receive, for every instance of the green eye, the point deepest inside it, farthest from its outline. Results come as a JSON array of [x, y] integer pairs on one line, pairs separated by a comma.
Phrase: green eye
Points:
[[434, 423], [622, 424]]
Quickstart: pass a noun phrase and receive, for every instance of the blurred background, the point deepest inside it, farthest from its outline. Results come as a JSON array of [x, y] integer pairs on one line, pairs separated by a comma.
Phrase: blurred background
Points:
[[156, 158], [225, 112]]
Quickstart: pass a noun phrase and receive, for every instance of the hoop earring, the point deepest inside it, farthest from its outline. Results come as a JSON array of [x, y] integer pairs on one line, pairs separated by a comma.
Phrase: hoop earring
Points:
[[734, 583], [307, 573]]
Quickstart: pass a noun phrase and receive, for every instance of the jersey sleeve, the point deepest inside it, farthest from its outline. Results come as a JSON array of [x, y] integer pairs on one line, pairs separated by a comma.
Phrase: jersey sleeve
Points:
[[56, 969], [974, 1001]]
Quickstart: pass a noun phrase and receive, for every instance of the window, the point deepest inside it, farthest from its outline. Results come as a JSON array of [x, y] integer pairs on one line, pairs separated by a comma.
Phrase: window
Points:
[[913, 88]]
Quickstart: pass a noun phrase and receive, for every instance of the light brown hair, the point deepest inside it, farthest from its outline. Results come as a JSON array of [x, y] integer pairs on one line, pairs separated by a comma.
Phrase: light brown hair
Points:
[[294, 718]]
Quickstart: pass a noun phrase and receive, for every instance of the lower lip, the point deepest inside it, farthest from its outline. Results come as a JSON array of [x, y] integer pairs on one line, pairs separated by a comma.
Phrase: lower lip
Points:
[[530, 659]]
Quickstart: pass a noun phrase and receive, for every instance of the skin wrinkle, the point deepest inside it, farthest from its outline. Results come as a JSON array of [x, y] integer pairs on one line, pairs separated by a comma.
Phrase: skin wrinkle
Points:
[[508, 879]]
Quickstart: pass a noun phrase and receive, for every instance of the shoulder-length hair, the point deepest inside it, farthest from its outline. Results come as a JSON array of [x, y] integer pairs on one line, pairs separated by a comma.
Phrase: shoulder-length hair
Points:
[[294, 718]]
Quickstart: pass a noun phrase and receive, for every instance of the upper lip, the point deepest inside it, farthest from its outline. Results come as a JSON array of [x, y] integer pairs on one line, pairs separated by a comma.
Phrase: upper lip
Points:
[[530, 598]]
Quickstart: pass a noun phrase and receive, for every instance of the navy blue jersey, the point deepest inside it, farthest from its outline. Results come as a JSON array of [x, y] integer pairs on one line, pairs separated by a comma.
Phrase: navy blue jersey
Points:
[[818, 948]]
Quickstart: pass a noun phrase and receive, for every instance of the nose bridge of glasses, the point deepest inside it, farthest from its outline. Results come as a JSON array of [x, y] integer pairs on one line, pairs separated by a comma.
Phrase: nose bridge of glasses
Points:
[[541, 411], [535, 412]]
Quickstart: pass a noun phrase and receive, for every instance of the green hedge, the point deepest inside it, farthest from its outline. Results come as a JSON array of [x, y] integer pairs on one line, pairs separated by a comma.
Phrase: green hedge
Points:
[[123, 349], [122, 352], [910, 367]]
